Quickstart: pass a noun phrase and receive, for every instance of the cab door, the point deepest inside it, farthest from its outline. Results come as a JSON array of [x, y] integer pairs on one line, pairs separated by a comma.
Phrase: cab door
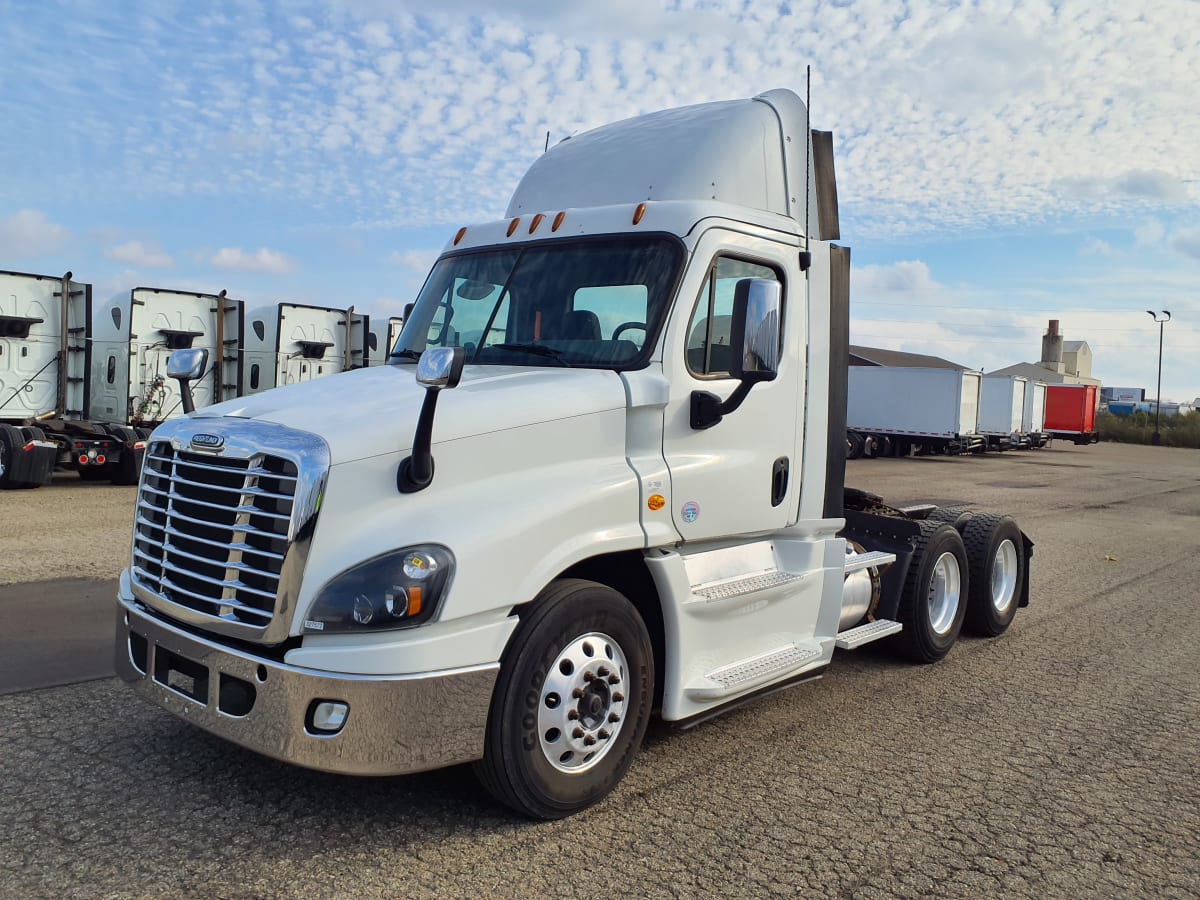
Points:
[[741, 475]]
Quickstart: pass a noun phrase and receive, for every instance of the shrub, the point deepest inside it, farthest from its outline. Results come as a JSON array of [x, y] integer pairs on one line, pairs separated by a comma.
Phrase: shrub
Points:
[[1176, 431]]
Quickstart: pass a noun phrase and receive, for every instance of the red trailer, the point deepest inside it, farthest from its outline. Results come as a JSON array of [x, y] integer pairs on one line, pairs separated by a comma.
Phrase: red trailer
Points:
[[1071, 412]]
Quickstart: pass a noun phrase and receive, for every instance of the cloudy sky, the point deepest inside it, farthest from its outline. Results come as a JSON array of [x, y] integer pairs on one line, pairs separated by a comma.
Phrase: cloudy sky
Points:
[[999, 163]]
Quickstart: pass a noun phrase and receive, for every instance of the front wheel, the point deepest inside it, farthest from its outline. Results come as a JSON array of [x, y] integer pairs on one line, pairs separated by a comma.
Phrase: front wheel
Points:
[[572, 701]]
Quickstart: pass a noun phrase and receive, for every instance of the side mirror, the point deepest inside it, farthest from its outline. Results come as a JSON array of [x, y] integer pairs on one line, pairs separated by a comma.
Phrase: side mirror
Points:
[[438, 368], [754, 329], [186, 366], [754, 335], [441, 367]]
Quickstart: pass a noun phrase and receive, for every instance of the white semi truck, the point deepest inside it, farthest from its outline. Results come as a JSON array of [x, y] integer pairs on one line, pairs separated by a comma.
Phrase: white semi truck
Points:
[[382, 338], [601, 477], [81, 387], [288, 343]]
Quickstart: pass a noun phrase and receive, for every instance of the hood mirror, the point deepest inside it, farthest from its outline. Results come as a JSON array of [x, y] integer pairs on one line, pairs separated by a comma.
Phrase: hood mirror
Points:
[[186, 366], [438, 368]]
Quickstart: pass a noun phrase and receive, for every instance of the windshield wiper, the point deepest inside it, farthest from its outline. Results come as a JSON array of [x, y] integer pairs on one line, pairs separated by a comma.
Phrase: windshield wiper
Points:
[[536, 350], [405, 353]]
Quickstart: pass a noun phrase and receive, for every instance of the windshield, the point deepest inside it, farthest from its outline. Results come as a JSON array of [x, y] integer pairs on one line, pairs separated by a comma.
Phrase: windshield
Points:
[[595, 303]]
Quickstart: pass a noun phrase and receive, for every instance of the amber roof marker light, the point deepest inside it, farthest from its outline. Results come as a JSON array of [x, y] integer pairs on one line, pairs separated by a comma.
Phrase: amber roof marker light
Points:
[[512, 226], [558, 220], [462, 233], [537, 220], [638, 213]]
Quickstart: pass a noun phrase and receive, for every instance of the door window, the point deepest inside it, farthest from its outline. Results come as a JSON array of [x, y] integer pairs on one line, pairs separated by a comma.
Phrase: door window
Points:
[[708, 350]]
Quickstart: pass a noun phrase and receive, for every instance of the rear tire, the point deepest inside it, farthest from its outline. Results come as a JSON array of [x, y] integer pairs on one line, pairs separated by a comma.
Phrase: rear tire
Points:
[[553, 746], [951, 515], [997, 567], [128, 467], [933, 603], [854, 449], [8, 456]]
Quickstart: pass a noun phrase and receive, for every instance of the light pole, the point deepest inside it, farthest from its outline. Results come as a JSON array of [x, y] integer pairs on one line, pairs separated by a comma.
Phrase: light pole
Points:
[[1156, 438]]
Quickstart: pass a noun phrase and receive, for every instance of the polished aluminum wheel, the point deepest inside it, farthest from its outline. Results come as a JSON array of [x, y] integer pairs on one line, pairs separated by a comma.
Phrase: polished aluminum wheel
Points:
[[582, 704], [1004, 576], [945, 593]]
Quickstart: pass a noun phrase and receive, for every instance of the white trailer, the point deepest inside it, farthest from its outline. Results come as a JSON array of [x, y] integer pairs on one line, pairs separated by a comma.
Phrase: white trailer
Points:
[[898, 410], [289, 343], [134, 334], [1002, 411], [1033, 414], [382, 338]]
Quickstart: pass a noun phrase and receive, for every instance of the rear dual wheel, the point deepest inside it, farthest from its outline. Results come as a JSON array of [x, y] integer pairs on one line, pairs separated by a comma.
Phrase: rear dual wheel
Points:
[[571, 703], [997, 563], [933, 602]]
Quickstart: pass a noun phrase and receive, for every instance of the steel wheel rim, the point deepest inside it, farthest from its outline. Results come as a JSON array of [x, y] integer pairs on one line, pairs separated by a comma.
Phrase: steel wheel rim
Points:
[[581, 706], [944, 593], [1004, 576]]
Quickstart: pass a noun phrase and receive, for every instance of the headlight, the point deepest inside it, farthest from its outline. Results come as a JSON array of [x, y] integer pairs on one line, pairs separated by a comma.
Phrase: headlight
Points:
[[397, 590]]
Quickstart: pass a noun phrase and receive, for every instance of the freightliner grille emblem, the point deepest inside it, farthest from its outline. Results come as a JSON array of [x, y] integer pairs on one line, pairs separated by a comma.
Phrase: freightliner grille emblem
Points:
[[207, 441]]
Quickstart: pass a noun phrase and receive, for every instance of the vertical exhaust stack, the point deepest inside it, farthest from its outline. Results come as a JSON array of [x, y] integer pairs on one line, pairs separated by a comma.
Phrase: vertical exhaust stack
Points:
[[1052, 348]]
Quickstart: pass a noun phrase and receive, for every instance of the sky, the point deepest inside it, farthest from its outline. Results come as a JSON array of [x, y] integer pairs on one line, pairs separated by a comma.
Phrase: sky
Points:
[[999, 164]]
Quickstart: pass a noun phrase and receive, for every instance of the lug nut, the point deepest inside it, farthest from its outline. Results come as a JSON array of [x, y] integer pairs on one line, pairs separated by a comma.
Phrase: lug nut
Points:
[[588, 676], [588, 741], [577, 733], [614, 679], [572, 714], [603, 735], [602, 671], [617, 696], [577, 693], [613, 717]]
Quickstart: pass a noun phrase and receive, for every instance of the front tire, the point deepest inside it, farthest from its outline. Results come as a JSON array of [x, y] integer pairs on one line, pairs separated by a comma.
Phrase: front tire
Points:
[[571, 703]]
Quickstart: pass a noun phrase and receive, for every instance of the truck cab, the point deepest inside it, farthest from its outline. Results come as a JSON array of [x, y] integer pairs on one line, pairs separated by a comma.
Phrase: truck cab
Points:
[[601, 476]]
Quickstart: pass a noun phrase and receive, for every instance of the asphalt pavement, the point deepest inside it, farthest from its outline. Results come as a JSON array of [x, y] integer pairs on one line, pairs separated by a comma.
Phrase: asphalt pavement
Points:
[[1060, 760]]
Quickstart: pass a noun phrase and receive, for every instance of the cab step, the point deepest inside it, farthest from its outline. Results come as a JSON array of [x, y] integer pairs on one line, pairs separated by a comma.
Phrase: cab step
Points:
[[733, 679], [854, 638], [868, 560], [746, 584]]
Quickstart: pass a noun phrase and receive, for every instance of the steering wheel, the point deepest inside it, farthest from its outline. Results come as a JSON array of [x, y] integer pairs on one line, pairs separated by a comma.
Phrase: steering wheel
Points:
[[625, 326]]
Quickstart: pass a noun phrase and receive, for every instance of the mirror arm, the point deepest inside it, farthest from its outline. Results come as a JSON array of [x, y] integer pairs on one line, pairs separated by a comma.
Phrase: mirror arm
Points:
[[416, 471], [708, 409]]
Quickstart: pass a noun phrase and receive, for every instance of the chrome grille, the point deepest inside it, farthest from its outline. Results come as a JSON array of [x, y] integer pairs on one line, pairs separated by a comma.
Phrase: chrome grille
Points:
[[212, 533]]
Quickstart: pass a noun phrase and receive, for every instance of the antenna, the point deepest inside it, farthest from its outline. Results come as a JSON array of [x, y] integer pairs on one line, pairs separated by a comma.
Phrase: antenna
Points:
[[547, 147], [806, 255]]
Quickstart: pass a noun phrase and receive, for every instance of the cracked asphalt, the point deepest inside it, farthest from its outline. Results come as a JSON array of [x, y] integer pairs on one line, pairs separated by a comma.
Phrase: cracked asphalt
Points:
[[1062, 759]]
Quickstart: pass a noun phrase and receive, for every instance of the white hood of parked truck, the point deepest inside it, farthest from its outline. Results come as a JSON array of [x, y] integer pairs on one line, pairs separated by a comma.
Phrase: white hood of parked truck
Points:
[[369, 412]]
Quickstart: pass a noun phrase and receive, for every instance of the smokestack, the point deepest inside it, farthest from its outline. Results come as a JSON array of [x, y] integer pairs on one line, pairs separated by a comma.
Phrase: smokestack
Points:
[[1052, 348]]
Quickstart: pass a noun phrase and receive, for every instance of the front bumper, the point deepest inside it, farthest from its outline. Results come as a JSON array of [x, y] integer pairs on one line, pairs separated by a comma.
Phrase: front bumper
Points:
[[395, 725]]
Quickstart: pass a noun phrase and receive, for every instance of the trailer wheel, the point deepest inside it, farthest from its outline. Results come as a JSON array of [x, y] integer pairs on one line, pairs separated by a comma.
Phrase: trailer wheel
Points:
[[128, 467], [932, 605], [996, 565], [854, 445], [572, 701]]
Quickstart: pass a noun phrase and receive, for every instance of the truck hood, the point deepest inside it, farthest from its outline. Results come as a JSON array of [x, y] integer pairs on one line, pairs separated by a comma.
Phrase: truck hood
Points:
[[373, 411]]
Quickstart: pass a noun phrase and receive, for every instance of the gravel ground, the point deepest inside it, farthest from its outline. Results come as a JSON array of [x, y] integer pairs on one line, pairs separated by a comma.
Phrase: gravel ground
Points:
[[69, 529], [1061, 760]]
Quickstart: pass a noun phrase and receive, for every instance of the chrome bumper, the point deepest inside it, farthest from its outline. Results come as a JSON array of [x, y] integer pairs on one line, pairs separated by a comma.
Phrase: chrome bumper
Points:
[[395, 725]]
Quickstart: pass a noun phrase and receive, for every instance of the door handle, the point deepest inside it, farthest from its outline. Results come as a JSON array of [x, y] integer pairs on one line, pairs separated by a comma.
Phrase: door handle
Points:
[[779, 480]]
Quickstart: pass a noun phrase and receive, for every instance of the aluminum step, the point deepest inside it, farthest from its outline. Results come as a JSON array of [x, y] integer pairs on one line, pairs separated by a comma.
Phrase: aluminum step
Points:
[[867, 560], [747, 584], [864, 634], [732, 679]]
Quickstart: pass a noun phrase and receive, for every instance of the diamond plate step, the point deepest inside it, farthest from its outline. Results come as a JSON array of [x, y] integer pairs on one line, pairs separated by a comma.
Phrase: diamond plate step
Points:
[[729, 680], [750, 584], [866, 560], [864, 634]]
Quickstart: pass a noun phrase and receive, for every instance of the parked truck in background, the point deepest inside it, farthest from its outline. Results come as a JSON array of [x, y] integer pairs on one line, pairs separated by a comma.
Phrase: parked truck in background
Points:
[[288, 343], [1071, 413], [382, 338], [602, 475], [1002, 411], [899, 410]]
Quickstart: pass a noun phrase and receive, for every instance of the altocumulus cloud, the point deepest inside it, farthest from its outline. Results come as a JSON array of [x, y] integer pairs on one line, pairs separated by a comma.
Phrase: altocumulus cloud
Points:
[[234, 259]]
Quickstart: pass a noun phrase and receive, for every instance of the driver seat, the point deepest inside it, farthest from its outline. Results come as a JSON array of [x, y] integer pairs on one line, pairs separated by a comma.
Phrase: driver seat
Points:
[[581, 325]]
